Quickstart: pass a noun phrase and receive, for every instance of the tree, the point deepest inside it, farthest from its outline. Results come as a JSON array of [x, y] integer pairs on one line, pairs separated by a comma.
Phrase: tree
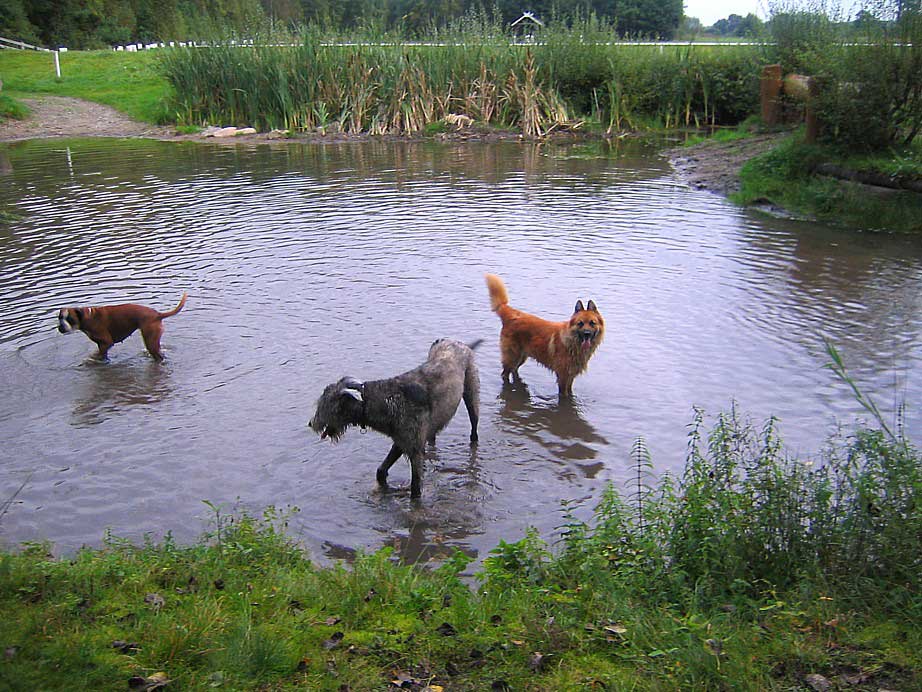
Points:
[[15, 24], [642, 18], [736, 25]]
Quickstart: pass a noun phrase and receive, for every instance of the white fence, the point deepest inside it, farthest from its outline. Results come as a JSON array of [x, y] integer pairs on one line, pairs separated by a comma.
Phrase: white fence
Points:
[[19, 45]]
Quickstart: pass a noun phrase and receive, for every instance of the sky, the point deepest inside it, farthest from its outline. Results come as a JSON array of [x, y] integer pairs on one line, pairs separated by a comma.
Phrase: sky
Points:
[[709, 11]]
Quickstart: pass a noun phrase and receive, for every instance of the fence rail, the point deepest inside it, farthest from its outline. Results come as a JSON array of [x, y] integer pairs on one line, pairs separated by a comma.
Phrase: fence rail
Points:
[[19, 45]]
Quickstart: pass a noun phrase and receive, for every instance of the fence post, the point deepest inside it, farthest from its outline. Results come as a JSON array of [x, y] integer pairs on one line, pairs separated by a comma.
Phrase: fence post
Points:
[[57, 64], [770, 94], [810, 119]]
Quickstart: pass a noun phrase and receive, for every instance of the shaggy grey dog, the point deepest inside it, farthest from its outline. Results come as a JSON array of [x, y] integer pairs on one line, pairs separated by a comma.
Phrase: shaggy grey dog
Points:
[[411, 408]]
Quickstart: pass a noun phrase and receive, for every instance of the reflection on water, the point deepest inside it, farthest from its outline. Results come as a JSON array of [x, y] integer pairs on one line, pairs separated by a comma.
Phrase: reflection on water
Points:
[[558, 426], [303, 262], [111, 390]]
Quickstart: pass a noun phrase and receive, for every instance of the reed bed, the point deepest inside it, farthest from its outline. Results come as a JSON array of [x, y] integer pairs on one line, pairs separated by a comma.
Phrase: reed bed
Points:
[[566, 80]]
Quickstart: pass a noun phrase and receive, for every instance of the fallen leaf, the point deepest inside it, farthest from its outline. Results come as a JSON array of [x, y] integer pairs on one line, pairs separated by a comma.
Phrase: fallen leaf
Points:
[[157, 680], [446, 629], [333, 641], [404, 680], [615, 629], [818, 682], [715, 646], [857, 678], [125, 647], [155, 600], [537, 662], [333, 620], [433, 688]]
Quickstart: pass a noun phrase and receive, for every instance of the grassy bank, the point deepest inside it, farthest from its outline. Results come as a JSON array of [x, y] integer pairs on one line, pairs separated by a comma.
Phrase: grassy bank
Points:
[[129, 82], [789, 177], [749, 571]]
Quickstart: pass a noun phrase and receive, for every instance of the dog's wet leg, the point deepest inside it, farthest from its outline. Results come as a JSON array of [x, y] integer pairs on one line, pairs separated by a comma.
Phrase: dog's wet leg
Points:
[[103, 347], [472, 402], [565, 387], [416, 479], [152, 340], [389, 460]]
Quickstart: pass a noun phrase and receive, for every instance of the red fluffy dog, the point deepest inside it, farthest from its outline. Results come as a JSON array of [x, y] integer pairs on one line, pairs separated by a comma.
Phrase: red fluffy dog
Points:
[[563, 347]]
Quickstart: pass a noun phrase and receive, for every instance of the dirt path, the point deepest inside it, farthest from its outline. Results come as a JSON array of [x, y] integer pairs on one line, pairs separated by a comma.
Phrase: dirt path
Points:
[[715, 166], [59, 116]]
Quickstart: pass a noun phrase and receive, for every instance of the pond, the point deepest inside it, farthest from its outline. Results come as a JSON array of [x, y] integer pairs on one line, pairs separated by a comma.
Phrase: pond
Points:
[[307, 262]]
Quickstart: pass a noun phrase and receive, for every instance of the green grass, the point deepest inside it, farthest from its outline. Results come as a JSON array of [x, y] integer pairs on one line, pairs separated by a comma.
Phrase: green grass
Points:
[[783, 177], [12, 109], [129, 82]]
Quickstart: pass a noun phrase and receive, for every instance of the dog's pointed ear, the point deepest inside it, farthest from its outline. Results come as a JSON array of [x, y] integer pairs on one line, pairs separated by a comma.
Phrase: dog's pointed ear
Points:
[[579, 306], [591, 306]]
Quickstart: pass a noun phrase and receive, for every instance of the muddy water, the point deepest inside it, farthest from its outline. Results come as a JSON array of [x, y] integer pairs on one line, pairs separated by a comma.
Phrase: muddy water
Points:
[[306, 263]]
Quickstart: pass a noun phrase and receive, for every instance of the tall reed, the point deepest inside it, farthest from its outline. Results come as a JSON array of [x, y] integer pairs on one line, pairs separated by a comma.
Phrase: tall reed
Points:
[[399, 87]]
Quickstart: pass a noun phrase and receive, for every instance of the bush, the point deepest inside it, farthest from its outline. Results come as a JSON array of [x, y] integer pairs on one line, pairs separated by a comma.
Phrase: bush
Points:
[[870, 94]]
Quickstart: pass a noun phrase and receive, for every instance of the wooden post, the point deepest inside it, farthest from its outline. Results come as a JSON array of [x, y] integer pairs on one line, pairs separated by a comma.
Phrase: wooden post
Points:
[[810, 119], [770, 93]]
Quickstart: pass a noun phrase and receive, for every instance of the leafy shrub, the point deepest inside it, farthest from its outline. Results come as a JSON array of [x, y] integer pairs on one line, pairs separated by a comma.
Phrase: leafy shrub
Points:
[[870, 94]]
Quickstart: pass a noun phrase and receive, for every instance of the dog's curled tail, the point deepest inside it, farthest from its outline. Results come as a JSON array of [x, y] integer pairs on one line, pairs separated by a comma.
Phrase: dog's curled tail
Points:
[[498, 295], [170, 313]]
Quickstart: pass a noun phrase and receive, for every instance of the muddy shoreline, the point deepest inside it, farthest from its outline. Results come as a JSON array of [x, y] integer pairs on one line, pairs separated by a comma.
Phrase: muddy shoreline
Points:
[[711, 166]]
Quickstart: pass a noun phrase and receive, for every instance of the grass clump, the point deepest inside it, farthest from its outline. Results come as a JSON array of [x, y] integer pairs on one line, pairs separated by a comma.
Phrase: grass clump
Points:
[[11, 109]]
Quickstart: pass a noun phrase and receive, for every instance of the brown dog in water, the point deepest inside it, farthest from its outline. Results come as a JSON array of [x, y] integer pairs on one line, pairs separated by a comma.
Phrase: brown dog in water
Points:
[[107, 325], [563, 347]]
